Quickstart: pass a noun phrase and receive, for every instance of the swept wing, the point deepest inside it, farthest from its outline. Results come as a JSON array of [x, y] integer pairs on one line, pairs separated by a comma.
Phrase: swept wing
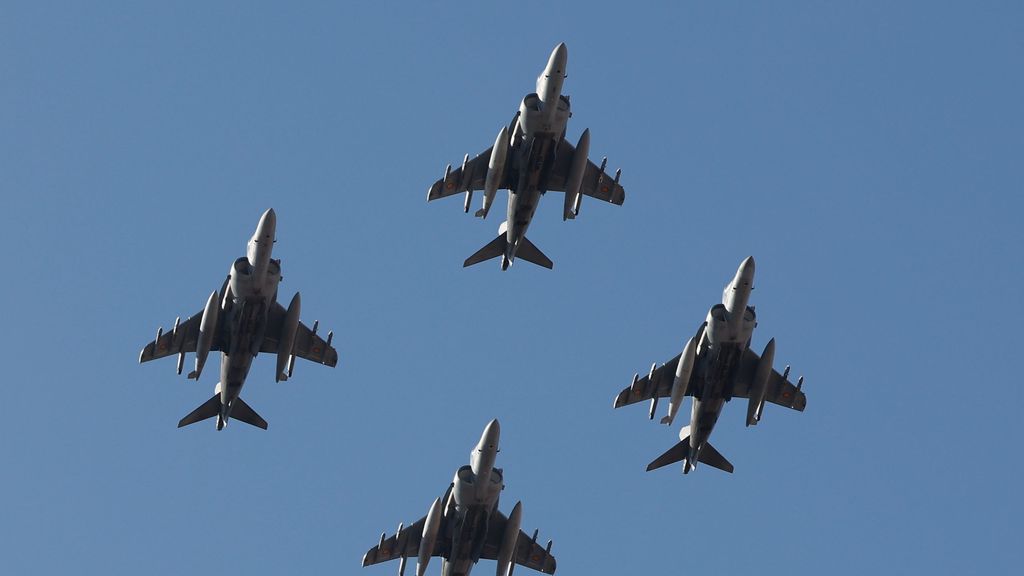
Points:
[[470, 176], [528, 552], [596, 182], [307, 345], [183, 339], [779, 390], [659, 384], [403, 544]]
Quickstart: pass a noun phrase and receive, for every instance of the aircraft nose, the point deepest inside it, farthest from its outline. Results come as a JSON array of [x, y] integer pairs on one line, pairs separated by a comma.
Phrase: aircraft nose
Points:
[[558, 60], [489, 439], [268, 224], [746, 271]]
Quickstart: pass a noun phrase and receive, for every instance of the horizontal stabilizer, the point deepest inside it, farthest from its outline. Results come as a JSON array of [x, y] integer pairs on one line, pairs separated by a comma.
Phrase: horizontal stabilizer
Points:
[[492, 250], [712, 457], [674, 454], [209, 409], [529, 252], [242, 411]]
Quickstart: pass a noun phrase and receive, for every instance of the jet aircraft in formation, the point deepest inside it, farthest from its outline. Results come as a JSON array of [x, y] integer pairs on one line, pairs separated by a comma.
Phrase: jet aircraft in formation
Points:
[[530, 157], [240, 321], [465, 525], [715, 366]]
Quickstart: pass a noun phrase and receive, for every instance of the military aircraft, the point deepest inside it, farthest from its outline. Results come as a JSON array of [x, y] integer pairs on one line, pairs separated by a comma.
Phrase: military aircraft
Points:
[[465, 525], [530, 157], [715, 366], [240, 321]]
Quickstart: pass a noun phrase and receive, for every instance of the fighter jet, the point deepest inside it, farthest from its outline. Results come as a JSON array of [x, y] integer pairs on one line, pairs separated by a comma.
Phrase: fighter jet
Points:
[[465, 525], [240, 321], [715, 366], [530, 157]]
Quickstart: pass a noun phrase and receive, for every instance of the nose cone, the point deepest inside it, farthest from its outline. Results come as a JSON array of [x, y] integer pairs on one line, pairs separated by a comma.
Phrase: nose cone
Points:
[[745, 274], [556, 63], [267, 227], [489, 439]]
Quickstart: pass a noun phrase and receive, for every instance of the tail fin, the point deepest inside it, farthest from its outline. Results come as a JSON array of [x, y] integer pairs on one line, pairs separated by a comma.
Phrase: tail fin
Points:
[[494, 249], [681, 451], [242, 411], [674, 454], [208, 409], [712, 457], [527, 251]]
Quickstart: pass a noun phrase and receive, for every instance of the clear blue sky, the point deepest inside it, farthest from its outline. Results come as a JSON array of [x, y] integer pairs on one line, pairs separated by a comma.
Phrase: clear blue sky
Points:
[[869, 155]]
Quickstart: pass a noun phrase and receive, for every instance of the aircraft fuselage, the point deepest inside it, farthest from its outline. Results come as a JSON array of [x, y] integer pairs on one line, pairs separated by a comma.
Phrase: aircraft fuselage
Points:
[[714, 393], [249, 292], [729, 327], [539, 129], [468, 536], [474, 497]]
